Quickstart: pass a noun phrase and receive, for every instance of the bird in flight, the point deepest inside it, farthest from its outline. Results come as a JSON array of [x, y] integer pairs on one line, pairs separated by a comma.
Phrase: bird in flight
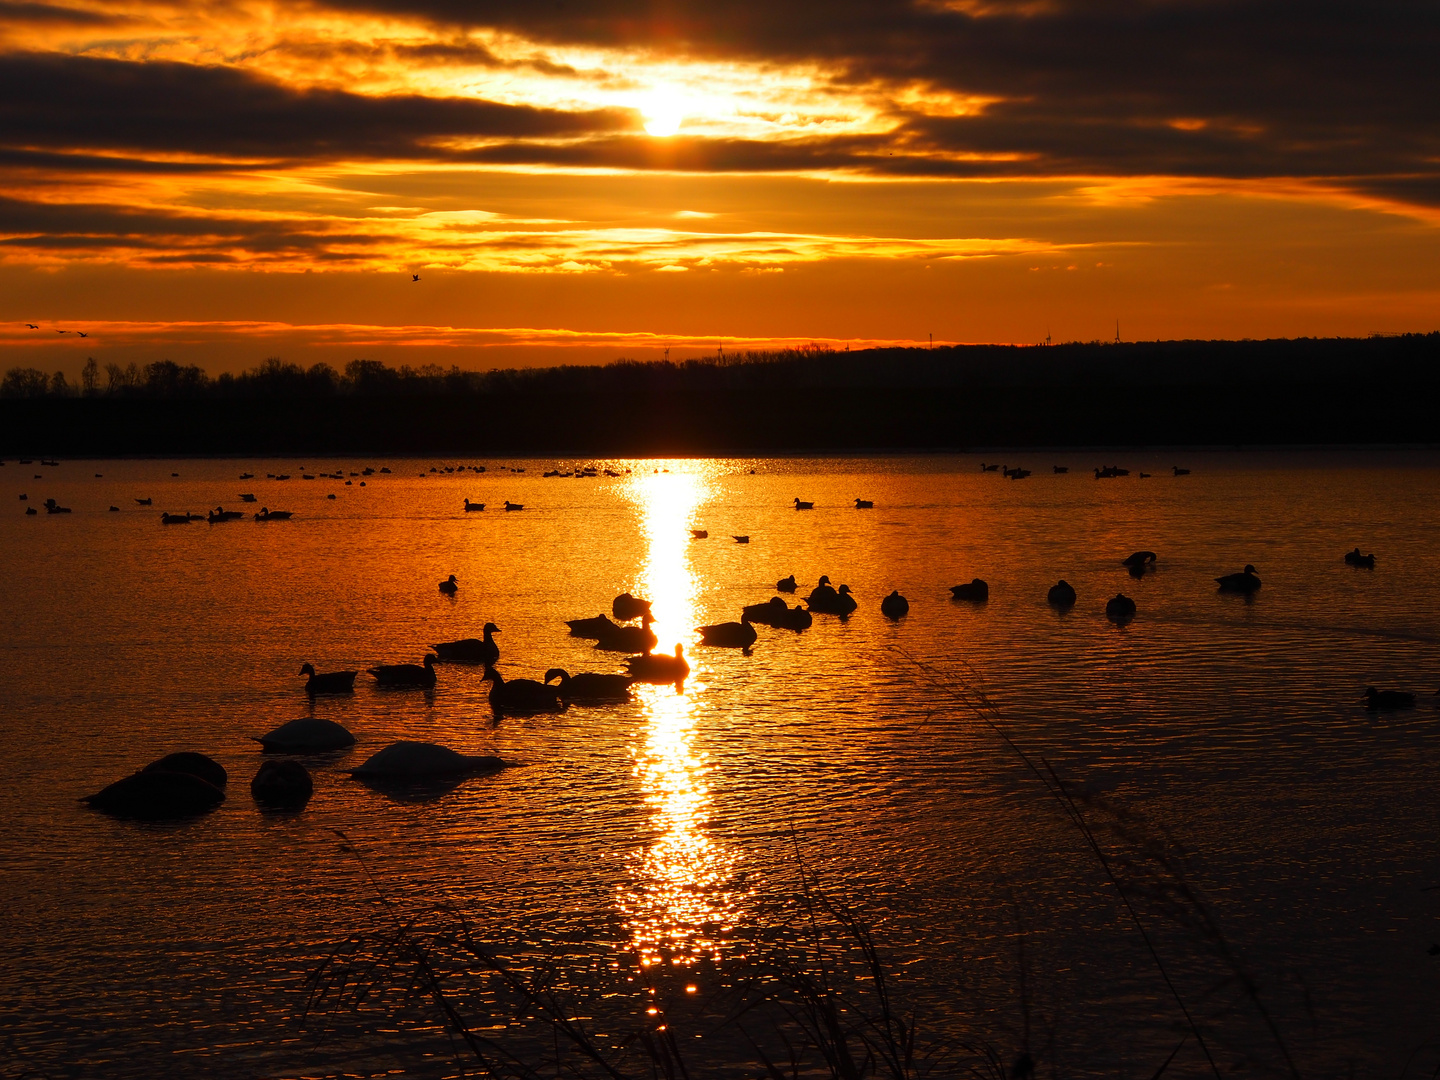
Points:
[[32, 326], [62, 331], [83, 334], [414, 277]]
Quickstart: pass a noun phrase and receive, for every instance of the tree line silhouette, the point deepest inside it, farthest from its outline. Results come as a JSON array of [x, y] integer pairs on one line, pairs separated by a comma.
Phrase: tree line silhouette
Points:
[[1306, 390]]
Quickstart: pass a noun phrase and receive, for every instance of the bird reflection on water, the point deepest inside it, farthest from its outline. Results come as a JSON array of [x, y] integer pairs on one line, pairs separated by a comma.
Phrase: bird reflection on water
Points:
[[681, 899]]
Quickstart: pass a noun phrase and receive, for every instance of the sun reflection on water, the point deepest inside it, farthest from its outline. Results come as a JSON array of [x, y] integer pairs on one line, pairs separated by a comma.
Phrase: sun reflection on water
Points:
[[681, 899]]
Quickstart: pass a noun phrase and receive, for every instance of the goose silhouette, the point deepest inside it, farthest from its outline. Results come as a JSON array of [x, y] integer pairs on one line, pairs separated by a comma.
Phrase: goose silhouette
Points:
[[328, 682], [589, 686], [765, 614], [632, 639], [471, 650], [786, 584], [864, 504], [658, 668], [595, 628], [1355, 559], [1061, 594], [449, 586], [520, 696], [1120, 608], [728, 635], [626, 607], [406, 675], [1244, 582], [894, 605], [804, 505], [421, 761], [471, 508], [977, 591]]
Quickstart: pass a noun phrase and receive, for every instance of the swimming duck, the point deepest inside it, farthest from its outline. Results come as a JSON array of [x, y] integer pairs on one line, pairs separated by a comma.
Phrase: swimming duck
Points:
[[626, 607], [1120, 609], [471, 650], [282, 785], [247, 497], [1179, 471], [742, 539], [894, 606], [1243, 582], [308, 735], [728, 635], [787, 584], [471, 508], [659, 668], [977, 590], [633, 639], [329, 682], [449, 586], [1061, 594], [864, 504], [521, 696], [823, 593], [1354, 558], [804, 505], [1138, 561], [266, 514], [1388, 699], [169, 519], [597, 627], [406, 675], [514, 506], [423, 760], [797, 618], [699, 534], [589, 686]]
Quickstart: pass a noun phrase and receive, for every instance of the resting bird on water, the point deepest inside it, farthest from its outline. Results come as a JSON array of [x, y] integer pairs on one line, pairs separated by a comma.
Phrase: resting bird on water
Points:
[[406, 674], [1388, 699], [590, 686], [471, 650], [448, 586], [639, 639], [1120, 609], [659, 668], [1244, 582], [596, 628], [894, 605], [1061, 594], [728, 635], [977, 590], [1354, 558], [521, 695], [328, 682], [787, 584]]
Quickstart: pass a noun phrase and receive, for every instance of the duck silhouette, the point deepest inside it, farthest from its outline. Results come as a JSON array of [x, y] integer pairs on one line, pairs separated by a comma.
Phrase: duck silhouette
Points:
[[804, 505], [631, 639], [328, 682], [589, 686], [765, 614], [1244, 582], [406, 675], [449, 586], [626, 607], [1355, 559], [514, 506], [595, 628], [786, 584], [471, 508], [728, 635], [1137, 562], [864, 504], [1388, 699], [1120, 608]]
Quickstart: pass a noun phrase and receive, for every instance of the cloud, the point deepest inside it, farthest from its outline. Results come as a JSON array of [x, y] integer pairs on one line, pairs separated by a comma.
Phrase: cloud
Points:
[[52, 101]]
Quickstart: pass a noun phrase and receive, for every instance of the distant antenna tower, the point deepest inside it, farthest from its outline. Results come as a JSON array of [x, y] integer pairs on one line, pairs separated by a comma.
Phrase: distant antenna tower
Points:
[[1117, 331], [932, 340], [667, 353], [1047, 335]]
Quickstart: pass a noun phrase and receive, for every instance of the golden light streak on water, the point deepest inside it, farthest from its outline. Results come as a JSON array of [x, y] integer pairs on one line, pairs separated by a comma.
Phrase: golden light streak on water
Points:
[[680, 901]]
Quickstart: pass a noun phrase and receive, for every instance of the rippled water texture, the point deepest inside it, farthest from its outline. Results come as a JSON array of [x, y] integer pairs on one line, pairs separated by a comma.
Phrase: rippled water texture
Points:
[[1217, 745]]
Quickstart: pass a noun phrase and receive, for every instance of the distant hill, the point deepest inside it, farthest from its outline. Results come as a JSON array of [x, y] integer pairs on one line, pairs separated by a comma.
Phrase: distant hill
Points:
[[1332, 390]]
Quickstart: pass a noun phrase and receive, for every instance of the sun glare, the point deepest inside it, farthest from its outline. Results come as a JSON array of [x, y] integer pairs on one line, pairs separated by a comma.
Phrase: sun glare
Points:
[[664, 113]]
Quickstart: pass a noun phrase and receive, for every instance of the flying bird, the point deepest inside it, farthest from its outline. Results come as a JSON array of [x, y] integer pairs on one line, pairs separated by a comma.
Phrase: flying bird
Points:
[[62, 331], [32, 326], [414, 277], [82, 333]]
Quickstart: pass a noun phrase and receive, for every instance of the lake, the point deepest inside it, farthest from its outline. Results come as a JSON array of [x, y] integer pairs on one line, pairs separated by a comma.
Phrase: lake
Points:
[[1275, 839]]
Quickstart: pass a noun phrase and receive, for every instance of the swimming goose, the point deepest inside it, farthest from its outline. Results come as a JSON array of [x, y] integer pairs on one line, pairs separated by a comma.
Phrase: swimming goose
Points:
[[864, 504], [1138, 560], [1354, 558], [728, 635], [471, 650], [596, 628], [1243, 582], [514, 506], [403, 675], [742, 539], [797, 618], [169, 519], [822, 594], [804, 505], [589, 686], [832, 601], [521, 695], [977, 590], [626, 607], [449, 587], [266, 514], [328, 682], [1120, 609], [1061, 594], [1388, 699], [632, 639], [765, 614], [471, 508], [786, 584], [247, 496], [894, 605], [659, 668], [308, 735]]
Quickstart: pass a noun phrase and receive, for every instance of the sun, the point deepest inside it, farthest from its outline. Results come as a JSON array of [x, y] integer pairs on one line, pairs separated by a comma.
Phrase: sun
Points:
[[663, 114]]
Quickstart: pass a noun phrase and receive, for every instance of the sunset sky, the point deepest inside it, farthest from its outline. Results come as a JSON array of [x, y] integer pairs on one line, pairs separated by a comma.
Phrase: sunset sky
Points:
[[579, 180]]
